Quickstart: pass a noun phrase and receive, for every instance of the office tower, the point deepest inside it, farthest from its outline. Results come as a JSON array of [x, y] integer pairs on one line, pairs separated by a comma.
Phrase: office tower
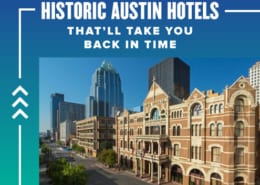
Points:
[[56, 98], [173, 75], [69, 111], [106, 96], [62, 111], [254, 77]]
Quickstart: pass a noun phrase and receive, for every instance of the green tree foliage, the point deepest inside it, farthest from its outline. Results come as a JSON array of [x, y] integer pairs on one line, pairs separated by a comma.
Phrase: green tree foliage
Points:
[[78, 148], [107, 157], [61, 172]]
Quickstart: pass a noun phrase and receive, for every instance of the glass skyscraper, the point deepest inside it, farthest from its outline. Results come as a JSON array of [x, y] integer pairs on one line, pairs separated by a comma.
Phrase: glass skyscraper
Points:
[[106, 96]]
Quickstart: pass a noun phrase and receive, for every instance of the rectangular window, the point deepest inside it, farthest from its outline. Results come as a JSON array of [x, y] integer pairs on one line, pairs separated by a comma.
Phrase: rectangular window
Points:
[[176, 150], [216, 154], [239, 156]]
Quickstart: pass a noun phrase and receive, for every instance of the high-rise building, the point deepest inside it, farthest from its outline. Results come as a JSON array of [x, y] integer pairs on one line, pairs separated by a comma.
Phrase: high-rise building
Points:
[[254, 77], [71, 111], [106, 96], [56, 98], [173, 76], [62, 111]]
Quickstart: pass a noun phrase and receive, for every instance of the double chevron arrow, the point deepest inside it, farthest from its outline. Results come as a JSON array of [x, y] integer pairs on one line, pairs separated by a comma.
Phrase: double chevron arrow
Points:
[[18, 101]]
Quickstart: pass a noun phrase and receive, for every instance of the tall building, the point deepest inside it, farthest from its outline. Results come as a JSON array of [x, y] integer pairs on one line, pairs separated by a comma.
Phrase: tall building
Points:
[[71, 111], [56, 99], [173, 76], [106, 96], [254, 77], [62, 111], [208, 138]]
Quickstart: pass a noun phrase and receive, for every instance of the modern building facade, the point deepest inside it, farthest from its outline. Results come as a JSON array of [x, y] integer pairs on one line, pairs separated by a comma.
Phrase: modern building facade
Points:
[[62, 111], [173, 75], [106, 96], [254, 77], [56, 99], [95, 134], [207, 139]]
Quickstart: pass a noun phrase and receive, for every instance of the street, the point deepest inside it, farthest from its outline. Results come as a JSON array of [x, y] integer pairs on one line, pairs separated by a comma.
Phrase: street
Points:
[[98, 173]]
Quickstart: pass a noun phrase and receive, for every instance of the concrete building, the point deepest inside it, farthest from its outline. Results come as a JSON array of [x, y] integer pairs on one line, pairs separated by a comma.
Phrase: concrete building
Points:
[[208, 138], [173, 76], [95, 134], [106, 96], [254, 77], [67, 129]]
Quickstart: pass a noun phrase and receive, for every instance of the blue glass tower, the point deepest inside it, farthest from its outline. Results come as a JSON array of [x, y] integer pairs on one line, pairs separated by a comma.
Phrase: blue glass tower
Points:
[[106, 96]]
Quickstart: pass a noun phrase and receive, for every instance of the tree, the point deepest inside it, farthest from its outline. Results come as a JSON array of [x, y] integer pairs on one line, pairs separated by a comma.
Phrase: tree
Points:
[[61, 172], [110, 157], [107, 157]]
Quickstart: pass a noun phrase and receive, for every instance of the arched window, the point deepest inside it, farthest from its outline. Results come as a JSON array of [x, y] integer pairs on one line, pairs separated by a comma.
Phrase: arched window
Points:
[[131, 144], [196, 110], [219, 128], [211, 109], [174, 131], [155, 114], [239, 181], [239, 104], [221, 108], [215, 179], [212, 129], [239, 129], [215, 108], [178, 130]]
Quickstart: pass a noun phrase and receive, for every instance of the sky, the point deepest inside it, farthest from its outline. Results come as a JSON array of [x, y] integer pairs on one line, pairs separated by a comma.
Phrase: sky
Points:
[[72, 77]]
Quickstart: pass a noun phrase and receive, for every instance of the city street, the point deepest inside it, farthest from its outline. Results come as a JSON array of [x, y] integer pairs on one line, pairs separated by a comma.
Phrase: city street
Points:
[[98, 174]]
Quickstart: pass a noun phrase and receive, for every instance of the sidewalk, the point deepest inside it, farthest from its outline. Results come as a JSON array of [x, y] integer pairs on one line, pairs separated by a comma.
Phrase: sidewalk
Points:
[[44, 180]]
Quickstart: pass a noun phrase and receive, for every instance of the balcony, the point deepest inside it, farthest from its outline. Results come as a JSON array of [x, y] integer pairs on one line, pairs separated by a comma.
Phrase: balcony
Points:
[[153, 137]]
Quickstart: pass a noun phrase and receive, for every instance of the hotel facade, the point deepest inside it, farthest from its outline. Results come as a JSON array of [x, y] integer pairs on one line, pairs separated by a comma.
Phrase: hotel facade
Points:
[[207, 139]]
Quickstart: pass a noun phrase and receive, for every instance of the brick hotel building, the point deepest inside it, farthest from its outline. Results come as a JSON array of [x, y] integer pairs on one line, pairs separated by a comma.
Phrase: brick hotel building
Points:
[[208, 138]]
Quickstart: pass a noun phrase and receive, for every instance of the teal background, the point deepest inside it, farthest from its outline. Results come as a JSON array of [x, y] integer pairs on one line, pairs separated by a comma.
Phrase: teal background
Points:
[[233, 35]]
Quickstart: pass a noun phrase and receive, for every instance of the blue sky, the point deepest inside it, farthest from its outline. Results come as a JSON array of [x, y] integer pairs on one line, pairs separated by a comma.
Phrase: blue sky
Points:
[[72, 77]]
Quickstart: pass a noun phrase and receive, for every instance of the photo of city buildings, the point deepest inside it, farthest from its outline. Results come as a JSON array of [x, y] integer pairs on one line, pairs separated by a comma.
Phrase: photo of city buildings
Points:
[[176, 135]]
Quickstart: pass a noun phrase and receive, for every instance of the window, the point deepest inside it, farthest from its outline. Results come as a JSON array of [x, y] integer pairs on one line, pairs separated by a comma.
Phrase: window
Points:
[[121, 144], [215, 154], [174, 132], [196, 110], [212, 129], [211, 109], [239, 129], [216, 108], [155, 114], [196, 152], [239, 156], [221, 108], [176, 151], [131, 144], [239, 104], [219, 127], [178, 130]]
